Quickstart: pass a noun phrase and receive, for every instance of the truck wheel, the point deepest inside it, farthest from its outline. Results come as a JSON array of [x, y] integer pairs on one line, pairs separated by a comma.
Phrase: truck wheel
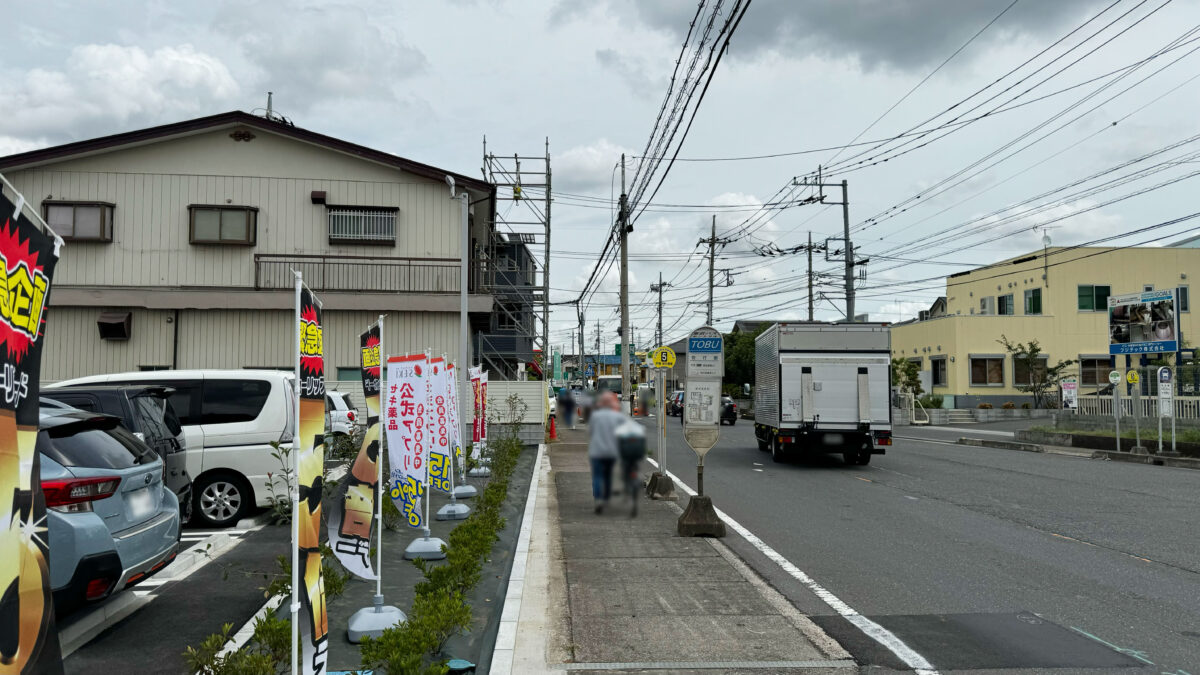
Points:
[[777, 455], [864, 458], [763, 446]]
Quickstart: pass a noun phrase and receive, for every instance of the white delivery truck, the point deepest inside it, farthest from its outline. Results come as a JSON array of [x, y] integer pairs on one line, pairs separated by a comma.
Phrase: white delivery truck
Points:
[[823, 388]]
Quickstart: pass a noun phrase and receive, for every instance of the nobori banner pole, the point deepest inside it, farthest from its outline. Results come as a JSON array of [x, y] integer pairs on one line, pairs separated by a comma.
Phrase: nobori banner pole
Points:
[[295, 490], [380, 493]]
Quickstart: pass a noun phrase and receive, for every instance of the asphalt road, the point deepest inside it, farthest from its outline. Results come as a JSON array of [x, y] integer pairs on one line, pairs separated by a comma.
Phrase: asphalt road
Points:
[[977, 558]]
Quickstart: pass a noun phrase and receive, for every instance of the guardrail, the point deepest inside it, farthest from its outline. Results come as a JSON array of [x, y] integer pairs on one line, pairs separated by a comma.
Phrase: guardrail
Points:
[[367, 274]]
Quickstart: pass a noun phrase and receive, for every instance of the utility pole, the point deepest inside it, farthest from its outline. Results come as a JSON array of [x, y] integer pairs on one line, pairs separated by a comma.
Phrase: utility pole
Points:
[[712, 256], [622, 224], [847, 245], [849, 253], [712, 242], [658, 288], [582, 351], [810, 278]]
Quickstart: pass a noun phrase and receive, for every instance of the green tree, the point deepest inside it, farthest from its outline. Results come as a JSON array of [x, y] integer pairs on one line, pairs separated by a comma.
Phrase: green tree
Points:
[[1042, 378], [907, 376], [739, 357]]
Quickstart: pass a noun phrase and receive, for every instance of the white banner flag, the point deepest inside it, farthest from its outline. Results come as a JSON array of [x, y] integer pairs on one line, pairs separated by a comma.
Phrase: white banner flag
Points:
[[452, 393], [407, 436], [439, 428]]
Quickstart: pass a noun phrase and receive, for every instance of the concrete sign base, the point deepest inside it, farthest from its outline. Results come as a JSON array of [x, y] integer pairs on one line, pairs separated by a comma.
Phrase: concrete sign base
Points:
[[700, 519], [425, 548], [660, 486], [372, 621]]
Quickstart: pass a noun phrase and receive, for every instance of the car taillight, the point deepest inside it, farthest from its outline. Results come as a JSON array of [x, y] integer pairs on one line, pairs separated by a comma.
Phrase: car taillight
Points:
[[98, 588], [350, 415], [77, 495]]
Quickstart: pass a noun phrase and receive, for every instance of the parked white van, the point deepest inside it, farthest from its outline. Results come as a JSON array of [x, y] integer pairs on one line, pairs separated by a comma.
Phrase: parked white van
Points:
[[229, 418]]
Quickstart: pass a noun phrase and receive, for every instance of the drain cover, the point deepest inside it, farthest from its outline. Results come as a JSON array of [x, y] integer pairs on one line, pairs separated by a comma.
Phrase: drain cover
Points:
[[1020, 640]]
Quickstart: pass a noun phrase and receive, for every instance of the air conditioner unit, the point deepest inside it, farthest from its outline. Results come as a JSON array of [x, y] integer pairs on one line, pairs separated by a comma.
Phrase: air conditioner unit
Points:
[[987, 305]]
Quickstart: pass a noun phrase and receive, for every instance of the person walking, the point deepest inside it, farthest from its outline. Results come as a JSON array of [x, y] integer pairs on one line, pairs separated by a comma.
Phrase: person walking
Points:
[[566, 403], [602, 445]]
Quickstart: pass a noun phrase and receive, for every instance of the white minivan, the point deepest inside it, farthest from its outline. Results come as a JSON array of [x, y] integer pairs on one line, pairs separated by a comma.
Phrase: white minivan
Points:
[[229, 418]]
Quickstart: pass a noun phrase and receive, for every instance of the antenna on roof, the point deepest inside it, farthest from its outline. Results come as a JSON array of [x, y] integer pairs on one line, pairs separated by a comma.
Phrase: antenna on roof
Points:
[[269, 112]]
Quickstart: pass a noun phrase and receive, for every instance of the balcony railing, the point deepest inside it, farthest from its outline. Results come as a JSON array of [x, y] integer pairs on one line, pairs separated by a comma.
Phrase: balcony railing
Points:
[[366, 274]]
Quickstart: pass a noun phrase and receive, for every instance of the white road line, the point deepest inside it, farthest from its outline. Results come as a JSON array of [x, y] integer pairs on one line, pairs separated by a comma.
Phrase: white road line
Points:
[[873, 630]]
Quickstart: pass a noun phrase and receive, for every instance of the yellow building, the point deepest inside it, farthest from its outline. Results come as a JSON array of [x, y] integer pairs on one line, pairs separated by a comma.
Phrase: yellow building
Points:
[[1057, 297]]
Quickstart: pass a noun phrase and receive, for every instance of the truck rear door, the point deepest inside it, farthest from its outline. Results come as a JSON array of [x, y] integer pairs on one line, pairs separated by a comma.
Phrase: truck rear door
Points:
[[835, 391]]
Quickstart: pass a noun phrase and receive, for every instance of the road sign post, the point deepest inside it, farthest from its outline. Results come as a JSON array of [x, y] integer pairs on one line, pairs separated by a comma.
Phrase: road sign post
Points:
[[701, 424], [1134, 380], [1166, 405], [1114, 378], [660, 485]]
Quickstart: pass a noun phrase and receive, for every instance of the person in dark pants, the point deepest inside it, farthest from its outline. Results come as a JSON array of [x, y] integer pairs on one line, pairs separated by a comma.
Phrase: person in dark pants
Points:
[[566, 403], [602, 446]]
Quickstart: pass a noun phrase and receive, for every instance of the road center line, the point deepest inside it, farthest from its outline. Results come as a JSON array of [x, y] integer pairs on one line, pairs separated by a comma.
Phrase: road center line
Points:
[[873, 630]]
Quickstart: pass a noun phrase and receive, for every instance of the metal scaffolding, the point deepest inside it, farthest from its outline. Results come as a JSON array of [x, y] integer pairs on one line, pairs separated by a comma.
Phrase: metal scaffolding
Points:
[[518, 331]]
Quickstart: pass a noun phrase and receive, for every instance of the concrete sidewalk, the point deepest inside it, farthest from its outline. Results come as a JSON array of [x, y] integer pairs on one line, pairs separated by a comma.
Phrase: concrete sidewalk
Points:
[[613, 594]]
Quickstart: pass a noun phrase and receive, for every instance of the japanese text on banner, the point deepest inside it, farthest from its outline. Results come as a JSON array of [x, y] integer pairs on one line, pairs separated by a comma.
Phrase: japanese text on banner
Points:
[[405, 415], [439, 432]]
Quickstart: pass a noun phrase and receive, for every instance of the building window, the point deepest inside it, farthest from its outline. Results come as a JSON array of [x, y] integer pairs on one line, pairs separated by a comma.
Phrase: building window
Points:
[[1093, 298], [223, 224], [1005, 305], [1033, 301], [1021, 370], [147, 369], [938, 364], [80, 221], [362, 225], [987, 371], [1184, 301], [917, 360], [349, 374], [1146, 288], [1094, 371]]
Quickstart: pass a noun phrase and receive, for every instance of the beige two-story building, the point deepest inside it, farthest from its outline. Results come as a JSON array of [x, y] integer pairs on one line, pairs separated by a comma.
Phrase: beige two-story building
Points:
[[181, 240], [1058, 297]]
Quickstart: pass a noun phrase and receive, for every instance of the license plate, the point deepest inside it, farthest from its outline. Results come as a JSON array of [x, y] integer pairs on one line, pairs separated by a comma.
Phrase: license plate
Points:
[[834, 439], [140, 502]]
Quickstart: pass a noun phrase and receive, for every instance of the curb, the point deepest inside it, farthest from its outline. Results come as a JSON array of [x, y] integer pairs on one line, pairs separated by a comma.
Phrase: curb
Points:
[[1003, 445], [510, 612], [1153, 460]]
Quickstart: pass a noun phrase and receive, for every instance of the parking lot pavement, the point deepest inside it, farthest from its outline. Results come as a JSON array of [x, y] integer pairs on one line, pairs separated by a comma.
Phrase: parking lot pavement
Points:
[[147, 629]]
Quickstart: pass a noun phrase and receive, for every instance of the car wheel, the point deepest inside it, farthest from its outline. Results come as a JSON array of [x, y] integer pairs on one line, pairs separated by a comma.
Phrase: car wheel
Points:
[[221, 499], [733, 421], [777, 450]]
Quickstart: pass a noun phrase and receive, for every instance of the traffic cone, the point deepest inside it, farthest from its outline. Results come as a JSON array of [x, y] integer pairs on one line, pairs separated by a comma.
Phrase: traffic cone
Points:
[[553, 430]]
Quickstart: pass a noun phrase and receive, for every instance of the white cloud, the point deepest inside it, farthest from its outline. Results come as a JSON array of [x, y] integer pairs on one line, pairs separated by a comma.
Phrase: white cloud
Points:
[[590, 168], [102, 86], [313, 52], [10, 145]]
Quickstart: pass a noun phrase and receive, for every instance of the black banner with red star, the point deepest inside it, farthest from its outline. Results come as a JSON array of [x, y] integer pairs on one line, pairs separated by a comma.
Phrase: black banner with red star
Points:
[[28, 636]]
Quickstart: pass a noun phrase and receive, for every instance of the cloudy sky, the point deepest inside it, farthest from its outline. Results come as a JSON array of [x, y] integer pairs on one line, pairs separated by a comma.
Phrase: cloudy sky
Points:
[[1081, 104]]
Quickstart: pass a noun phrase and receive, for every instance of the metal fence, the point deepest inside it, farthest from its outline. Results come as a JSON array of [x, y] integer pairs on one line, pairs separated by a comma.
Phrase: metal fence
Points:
[[357, 273], [1186, 407], [362, 225]]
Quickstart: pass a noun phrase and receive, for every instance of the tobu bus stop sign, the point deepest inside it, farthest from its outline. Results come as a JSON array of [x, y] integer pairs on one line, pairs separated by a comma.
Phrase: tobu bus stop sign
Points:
[[702, 390], [701, 424]]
